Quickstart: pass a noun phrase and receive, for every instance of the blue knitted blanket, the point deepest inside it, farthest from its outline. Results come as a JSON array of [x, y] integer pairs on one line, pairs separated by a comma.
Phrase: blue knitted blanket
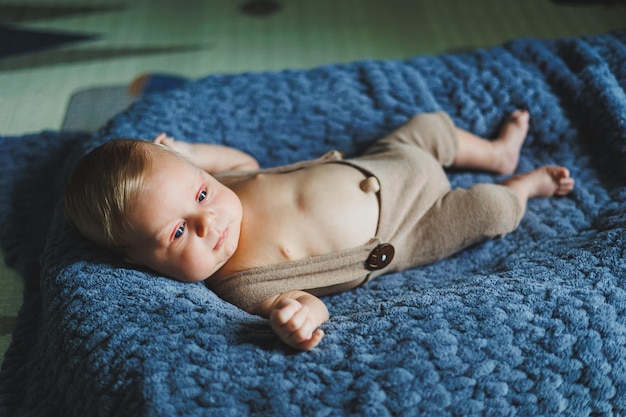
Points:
[[532, 324]]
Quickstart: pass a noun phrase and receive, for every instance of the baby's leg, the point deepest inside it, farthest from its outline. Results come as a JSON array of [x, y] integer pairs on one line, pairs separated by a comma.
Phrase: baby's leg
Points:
[[463, 217], [500, 155], [545, 181], [484, 211]]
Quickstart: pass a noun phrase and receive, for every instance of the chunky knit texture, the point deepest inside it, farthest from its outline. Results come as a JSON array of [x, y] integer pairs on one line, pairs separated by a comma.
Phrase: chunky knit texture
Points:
[[533, 324]]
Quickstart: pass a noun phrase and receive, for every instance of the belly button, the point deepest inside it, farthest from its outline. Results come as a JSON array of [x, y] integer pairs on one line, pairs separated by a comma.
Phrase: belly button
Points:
[[370, 185]]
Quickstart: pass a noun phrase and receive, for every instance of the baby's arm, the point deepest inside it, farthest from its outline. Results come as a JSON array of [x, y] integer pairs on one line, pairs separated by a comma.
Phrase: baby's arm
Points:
[[295, 316], [211, 158]]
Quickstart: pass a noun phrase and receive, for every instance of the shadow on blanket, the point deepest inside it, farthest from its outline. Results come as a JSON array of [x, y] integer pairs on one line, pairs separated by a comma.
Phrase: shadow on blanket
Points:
[[532, 324]]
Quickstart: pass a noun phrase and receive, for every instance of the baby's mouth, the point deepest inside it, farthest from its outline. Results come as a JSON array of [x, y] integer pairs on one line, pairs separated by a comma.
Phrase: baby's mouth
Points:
[[221, 240]]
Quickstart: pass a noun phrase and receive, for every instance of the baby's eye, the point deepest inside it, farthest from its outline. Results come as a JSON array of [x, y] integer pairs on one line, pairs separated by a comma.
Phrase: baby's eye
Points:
[[202, 195], [179, 231]]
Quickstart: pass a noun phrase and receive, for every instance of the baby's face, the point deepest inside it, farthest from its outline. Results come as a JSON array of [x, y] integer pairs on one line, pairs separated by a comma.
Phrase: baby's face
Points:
[[186, 224]]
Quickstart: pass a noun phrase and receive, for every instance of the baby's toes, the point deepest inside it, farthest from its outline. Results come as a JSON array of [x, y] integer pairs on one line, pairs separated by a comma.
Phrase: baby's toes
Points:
[[560, 173], [520, 116], [565, 185]]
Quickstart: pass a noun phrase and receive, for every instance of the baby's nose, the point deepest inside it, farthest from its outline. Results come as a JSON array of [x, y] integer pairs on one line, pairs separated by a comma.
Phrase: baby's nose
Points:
[[205, 223]]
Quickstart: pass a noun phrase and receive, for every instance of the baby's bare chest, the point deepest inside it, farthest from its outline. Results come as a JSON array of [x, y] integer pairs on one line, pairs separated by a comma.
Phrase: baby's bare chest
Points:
[[308, 212]]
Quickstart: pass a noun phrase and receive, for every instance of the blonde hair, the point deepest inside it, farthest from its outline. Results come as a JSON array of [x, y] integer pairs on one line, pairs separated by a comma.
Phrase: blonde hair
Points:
[[103, 187]]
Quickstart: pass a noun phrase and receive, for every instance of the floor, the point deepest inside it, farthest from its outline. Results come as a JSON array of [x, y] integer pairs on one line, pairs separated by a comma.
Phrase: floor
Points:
[[51, 49]]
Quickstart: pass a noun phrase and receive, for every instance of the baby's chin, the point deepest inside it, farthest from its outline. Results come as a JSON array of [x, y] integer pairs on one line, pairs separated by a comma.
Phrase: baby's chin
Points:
[[207, 272], [196, 276], [199, 275]]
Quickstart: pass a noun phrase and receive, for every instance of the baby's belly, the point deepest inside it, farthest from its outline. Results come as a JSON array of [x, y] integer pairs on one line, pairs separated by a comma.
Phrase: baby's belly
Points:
[[335, 212]]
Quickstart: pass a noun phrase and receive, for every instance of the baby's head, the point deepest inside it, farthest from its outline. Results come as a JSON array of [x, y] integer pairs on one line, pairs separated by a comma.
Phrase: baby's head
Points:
[[103, 188], [147, 203]]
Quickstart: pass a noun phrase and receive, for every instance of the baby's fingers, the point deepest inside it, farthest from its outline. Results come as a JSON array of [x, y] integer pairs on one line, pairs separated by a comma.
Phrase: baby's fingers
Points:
[[292, 322], [163, 139], [300, 331], [565, 185], [159, 138], [284, 311], [312, 342], [300, 323]]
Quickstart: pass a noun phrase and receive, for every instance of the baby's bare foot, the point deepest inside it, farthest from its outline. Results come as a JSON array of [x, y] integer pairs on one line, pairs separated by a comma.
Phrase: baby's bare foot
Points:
[[545, 181], [509, 142], [550, 181]]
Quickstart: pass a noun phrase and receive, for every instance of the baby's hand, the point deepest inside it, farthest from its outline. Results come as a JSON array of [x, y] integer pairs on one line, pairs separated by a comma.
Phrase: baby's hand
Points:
[[293, 322], [183, 148]]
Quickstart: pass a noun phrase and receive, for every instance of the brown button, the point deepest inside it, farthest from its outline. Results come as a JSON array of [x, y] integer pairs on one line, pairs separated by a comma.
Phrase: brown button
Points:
[[370, 185], [380, 257]]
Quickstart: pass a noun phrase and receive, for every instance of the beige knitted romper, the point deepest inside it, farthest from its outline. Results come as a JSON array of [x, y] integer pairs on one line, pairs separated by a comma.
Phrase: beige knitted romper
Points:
[[421, 219]]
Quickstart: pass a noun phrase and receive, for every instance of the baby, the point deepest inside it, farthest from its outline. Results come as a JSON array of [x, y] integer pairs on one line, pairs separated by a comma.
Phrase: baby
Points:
[[273, 241]]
